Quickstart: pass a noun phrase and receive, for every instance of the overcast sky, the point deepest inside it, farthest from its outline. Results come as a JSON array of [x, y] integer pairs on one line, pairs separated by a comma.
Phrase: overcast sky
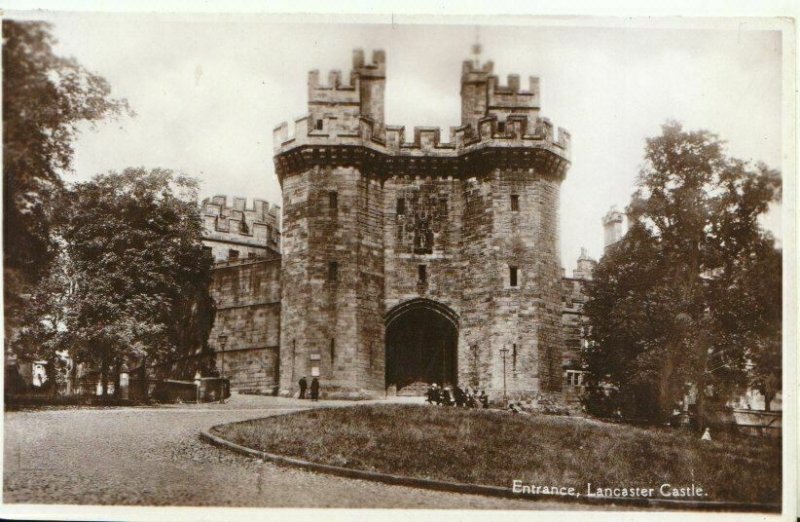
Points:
[[208, 91]]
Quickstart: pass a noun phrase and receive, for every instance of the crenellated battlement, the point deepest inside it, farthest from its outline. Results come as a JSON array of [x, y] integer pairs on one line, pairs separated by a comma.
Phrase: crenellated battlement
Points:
[[257, 224], [338, 104], [482, 94], [510, 95], [472, 70], [375, 69], [259, 209], [334, 82], [493, 116], [392, 140]]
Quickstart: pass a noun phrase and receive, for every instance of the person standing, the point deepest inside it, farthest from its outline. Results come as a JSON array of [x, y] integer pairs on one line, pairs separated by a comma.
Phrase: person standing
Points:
[[483, 399], [314, 389], [458, 396], [303, 385]]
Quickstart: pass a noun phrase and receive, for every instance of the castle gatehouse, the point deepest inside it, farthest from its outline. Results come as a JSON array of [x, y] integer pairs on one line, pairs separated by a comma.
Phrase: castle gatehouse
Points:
[[408, 259]]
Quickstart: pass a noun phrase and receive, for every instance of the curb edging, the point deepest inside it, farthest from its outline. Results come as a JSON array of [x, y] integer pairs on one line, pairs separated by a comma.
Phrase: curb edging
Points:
[[479, 489]]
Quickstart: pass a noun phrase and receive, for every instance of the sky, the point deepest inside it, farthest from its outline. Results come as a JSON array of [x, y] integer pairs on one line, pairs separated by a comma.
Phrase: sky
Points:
[[208, 90]]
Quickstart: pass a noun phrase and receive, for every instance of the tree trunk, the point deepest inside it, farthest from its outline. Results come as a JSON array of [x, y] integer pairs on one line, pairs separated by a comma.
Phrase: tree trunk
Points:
[[700, 410], [117, 369], [702, 346], [665, 398], [74, 377], [767, 400], [52, 371], [145, 387], [104, 376]]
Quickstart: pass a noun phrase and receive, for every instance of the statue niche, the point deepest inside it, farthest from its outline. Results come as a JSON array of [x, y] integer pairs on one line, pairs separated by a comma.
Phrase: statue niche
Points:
[[423, 234]]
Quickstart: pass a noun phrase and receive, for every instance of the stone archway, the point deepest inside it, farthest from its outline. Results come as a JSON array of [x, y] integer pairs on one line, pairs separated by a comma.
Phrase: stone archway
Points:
[[421, 346]]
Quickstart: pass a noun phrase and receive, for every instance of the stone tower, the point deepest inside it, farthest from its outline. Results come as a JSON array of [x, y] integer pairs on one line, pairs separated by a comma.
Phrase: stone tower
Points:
[[585, 266], [612, 227], [408, 261]]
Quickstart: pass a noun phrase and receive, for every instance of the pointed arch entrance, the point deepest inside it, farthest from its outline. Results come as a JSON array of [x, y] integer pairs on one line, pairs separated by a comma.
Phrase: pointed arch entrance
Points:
[[421, 346]]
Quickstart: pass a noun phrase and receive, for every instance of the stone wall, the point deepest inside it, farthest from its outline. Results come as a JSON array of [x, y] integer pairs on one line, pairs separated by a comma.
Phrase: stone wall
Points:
[[527, 315], [333, 321], [466, 235], [252, 371], [573, 323], [247, 294]]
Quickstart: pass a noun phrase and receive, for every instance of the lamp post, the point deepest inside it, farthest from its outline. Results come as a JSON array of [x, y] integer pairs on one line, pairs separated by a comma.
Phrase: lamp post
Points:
[[223, 340], [504, 351], [444, 366]]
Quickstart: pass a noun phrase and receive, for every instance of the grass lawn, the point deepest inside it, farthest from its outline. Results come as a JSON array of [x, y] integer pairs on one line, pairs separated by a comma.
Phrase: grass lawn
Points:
[[496, 447]]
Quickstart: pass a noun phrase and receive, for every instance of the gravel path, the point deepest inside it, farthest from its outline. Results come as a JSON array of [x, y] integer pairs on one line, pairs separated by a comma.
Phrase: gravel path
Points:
[[153, 456]]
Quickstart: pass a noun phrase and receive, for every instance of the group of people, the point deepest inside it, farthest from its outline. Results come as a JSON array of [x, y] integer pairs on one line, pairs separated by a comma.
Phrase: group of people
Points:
[[455, 396], [314, 388]]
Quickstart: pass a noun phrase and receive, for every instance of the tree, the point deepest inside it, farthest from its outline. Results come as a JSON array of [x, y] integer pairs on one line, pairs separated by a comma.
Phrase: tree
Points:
[[690, 298], [750, 315], [142, 277], [45, 316], [45, 99]]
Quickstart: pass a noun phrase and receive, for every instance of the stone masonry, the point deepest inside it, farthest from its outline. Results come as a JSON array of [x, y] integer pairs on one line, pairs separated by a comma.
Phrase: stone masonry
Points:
[[574, 324], [246, 232], [246, 290], [375, 225]]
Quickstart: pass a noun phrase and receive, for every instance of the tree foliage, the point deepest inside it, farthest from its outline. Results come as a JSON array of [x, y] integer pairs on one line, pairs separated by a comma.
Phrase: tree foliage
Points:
[[141, 275], [45, 99], [691, 296]]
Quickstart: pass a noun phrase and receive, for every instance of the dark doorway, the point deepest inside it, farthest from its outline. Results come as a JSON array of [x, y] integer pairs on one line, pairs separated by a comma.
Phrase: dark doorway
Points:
[[421, 348]]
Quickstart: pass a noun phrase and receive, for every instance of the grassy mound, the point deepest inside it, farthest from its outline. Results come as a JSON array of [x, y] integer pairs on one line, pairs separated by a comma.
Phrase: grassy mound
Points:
[[495, 448]]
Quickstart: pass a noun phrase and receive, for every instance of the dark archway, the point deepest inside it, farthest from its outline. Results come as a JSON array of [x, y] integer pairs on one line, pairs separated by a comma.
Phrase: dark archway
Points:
[[421, 346]]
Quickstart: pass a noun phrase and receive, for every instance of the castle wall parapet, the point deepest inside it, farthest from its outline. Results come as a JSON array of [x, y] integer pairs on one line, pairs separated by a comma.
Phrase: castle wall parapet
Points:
[[256, 224], [350, 113], [391, 140]]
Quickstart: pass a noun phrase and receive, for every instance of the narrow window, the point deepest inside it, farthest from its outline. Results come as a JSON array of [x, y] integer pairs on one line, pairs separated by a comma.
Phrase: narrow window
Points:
[[333, 271], [333, 200], [333, 352], [401, 206], [443, 207], [422, 273], [512, 275], [370, 356], [501, 127], [514, 358], [514, 203], [251, 255], [233, 254], [319, 124]]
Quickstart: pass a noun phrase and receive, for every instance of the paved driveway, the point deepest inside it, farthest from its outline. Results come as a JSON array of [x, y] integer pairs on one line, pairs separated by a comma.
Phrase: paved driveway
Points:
[[152, 456]]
